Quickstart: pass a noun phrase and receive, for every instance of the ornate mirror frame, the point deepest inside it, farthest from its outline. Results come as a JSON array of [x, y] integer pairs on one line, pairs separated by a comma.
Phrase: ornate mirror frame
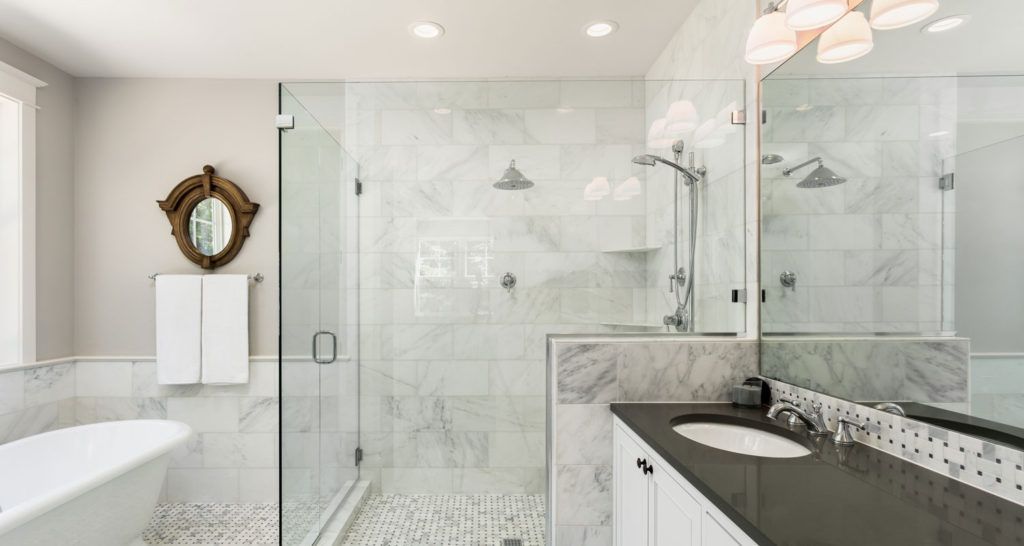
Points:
[[192, 191]]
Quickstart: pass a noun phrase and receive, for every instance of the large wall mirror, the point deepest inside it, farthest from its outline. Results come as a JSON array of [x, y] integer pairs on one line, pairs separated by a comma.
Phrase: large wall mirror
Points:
[[892, 203]]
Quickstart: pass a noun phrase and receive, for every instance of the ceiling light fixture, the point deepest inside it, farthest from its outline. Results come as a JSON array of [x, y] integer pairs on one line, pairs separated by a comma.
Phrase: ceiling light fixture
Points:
[[946, 23], [441, 110], [811, 14], [426, 29], [600, 29], [890, 14], [770, 40], [656, 138], [848, 39]]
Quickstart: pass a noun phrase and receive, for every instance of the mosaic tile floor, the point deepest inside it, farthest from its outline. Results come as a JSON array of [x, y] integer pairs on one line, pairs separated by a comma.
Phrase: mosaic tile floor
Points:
[[213, 524], [450, 520]]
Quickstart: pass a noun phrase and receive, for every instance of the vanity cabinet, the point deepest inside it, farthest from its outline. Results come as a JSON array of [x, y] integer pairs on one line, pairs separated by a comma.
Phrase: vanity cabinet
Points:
[[656, 506]]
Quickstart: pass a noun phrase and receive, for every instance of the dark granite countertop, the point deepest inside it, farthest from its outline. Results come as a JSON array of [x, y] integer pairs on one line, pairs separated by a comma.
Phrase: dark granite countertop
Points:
[[835, 496]]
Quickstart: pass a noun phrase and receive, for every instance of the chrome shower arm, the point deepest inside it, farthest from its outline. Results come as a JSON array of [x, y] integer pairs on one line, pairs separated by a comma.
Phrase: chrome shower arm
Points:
[[789, 171]]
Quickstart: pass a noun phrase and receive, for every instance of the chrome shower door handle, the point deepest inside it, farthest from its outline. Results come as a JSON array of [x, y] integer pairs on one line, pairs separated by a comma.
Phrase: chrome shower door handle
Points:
[[316, 348]]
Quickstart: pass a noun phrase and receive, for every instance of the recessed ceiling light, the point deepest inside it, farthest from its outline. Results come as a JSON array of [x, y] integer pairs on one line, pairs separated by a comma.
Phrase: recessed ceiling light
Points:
[[426, 29], [938, 134], [441, 110], [804, 107], [600, 29], [946, 23]]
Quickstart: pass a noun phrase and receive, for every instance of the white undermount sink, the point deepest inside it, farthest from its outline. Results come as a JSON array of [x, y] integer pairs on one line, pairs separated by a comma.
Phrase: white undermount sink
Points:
[[741, 439]]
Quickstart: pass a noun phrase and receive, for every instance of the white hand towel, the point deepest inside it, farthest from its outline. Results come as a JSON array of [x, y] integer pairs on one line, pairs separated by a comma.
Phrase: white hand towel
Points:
[[225, 329], [178, 320]]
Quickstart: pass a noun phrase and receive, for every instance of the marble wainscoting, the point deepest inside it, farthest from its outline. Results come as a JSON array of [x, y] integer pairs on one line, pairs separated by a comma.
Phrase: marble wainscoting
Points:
[[36, 399], [934, 370], [232, 456], [585, 375]]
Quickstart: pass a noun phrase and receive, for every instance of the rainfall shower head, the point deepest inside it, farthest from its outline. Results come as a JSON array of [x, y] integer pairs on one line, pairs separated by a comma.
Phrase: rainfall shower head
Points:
[[513, 179], [820, 177], [771, 159]]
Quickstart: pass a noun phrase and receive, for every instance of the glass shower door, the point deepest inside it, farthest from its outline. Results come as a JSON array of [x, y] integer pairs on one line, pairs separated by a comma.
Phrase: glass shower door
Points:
[[319, 326]]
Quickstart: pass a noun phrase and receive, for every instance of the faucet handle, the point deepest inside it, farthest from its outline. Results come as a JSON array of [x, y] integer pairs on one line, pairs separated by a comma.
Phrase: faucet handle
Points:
[[843, 435]]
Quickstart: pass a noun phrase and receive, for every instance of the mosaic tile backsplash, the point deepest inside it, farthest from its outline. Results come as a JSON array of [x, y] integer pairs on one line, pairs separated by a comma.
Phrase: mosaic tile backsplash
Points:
[[994, 468]]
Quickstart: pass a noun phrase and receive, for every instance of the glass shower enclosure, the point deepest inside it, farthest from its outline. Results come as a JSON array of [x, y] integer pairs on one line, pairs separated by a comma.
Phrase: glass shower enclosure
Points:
[[438, 285], [319, 341]]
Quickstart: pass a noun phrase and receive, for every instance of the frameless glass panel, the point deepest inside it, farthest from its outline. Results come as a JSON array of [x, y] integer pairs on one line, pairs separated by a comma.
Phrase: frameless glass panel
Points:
[[319, 303], [492, 215]]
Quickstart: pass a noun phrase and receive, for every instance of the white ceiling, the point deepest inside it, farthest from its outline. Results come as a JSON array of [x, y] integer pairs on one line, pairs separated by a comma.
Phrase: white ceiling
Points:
[[336, 39], [989, 43]]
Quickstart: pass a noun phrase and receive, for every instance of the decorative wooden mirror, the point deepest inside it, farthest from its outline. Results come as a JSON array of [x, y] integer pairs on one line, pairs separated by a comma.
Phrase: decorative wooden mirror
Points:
[[209, 217]]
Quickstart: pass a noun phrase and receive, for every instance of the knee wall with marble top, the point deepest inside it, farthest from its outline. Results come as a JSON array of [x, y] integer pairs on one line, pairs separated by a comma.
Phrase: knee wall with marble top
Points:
[[585, 376]]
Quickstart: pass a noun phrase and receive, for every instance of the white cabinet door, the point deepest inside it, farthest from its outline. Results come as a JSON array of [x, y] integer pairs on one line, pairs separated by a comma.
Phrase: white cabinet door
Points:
[[631, 492], [720, 531], [674, 514]]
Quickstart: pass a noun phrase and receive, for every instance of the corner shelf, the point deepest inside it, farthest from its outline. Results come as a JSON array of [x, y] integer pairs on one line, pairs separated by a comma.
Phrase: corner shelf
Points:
[[632, 325], [633, 250]]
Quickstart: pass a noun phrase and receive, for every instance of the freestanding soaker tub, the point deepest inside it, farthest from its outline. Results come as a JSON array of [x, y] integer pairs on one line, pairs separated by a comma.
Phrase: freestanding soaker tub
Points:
[[88, 485]]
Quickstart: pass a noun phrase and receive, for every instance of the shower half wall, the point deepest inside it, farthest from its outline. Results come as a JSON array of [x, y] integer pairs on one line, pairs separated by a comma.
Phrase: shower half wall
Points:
[[451, 365]]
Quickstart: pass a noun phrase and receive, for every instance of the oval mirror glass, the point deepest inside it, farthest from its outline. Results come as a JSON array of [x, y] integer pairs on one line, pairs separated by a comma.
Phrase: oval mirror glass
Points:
[[209, 226]]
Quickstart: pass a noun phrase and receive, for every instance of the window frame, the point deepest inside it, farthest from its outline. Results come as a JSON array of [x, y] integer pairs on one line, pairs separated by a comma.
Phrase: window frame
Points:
[[21, 88]]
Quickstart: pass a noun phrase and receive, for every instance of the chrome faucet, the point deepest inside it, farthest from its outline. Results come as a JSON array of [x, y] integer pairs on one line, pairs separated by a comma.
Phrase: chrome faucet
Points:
[[891, 407], [815, 420]]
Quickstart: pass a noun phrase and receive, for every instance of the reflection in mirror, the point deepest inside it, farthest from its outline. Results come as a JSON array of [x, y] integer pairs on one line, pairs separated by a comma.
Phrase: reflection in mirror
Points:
[[209, 226], [902, 284]]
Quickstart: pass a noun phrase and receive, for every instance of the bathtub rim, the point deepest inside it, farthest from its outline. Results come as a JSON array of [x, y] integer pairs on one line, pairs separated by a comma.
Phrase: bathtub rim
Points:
[[11, 518]]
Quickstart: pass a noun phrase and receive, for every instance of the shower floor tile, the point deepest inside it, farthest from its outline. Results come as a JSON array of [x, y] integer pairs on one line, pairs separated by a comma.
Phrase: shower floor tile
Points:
[[451, 520], [210, 524]]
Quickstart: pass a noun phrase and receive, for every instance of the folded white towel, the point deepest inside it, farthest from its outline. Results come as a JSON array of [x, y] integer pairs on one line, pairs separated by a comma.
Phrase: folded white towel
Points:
[[178, 320], [225, 329]]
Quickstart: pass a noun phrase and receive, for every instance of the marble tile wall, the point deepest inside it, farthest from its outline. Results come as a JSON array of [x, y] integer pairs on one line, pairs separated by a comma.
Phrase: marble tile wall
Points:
[[871, 255], [991, 467], [452, 365], [585, 375], [231, 456], [933, 370], [706, 49], [720, 249], [36, 400]]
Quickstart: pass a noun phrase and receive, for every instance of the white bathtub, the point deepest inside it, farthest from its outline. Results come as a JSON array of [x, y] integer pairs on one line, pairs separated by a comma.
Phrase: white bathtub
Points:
[[89, 485]]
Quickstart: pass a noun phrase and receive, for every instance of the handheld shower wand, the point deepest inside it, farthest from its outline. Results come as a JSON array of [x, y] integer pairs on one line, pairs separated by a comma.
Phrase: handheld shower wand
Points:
[[683, 318]]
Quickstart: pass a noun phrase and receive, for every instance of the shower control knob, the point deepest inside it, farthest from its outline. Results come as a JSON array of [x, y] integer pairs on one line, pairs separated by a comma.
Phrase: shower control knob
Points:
[[788, 279], [508, 282]]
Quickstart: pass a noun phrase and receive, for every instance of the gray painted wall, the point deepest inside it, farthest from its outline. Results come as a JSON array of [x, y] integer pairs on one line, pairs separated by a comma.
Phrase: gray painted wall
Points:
[[54, 201], [136, 139]]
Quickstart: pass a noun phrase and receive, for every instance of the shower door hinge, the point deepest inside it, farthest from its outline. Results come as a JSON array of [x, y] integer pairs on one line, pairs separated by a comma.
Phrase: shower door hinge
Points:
[[284, 121], [739, 296], [359, 455], [739, 117], [946, 182], [359, 187]]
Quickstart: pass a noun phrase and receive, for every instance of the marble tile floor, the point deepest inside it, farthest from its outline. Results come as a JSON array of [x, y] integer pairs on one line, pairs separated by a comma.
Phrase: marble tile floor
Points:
[[209, 524], [450, 520]]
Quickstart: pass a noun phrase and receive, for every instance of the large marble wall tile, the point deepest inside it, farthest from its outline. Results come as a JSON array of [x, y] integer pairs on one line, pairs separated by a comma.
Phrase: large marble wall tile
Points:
[[489, 127], [587, 373], [926, 370], [583, 494], [47, 384], [12, 391], [584, 431], [674, 371]]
